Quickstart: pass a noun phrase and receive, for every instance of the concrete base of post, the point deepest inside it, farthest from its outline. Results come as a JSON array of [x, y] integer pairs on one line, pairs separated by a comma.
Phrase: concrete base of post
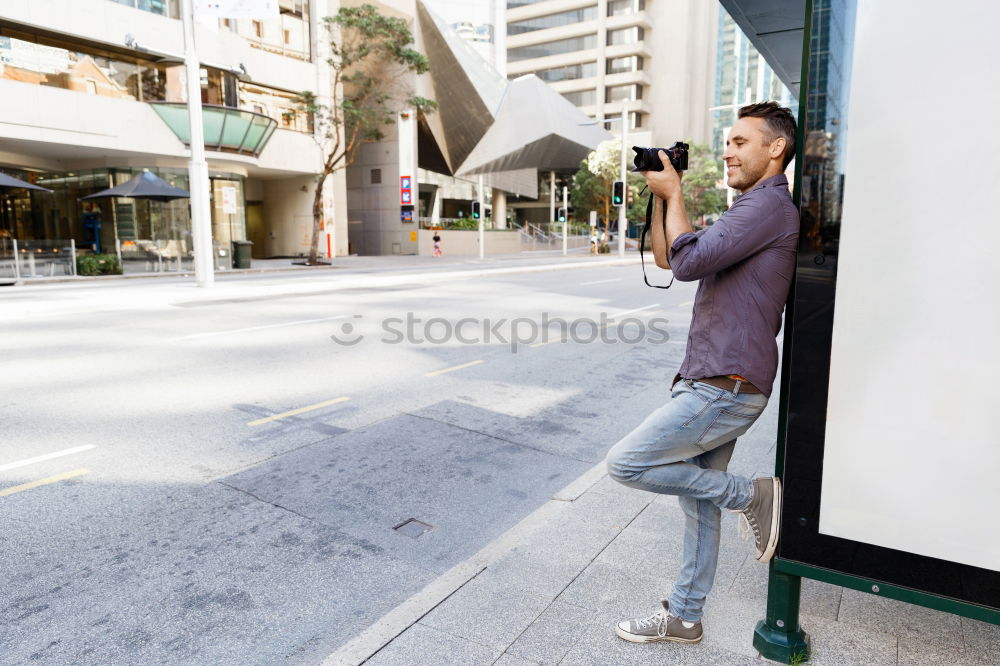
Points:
[[778, 636]]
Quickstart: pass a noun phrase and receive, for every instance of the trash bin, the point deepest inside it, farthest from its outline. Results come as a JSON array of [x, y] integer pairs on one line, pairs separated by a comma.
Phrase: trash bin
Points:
[[241, 254]]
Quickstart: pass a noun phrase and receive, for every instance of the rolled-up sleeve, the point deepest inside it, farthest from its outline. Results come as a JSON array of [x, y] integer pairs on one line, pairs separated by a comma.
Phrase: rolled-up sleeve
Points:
[[745, 229]]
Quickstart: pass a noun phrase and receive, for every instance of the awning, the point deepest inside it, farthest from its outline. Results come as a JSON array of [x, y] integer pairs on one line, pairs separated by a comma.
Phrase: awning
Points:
[[143, 185], [10, 183]]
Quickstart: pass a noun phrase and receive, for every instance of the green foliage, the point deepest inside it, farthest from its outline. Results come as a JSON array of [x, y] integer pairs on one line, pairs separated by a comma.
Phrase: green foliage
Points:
[[372, 62], [593, 182], [98, 264], [702, 196]]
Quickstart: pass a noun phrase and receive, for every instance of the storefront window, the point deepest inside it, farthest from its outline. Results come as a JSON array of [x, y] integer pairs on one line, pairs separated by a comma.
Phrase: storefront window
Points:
[[170, 8]]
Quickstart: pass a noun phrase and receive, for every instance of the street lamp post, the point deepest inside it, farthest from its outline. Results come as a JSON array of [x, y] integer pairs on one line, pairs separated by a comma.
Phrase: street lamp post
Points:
[[566, 219], [482, 217], [201, 214], [622, 219]]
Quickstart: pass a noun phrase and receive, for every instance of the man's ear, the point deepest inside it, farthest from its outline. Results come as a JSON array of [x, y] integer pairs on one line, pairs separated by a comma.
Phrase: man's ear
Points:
[[777, 147]]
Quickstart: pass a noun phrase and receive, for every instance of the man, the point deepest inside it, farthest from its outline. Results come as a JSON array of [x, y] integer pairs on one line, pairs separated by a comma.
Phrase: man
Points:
[[745, 263]]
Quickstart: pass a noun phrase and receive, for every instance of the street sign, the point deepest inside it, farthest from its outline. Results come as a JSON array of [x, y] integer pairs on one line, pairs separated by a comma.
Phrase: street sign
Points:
[[406, 215], [405, 190]]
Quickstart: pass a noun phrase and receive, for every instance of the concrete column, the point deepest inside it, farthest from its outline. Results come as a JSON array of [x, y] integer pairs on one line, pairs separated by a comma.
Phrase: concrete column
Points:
[[499, 209], [436, 208]]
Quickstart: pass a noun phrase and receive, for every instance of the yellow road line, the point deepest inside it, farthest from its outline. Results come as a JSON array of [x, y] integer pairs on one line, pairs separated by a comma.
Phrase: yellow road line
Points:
[[300, 410], [44, 482], [456, 367]]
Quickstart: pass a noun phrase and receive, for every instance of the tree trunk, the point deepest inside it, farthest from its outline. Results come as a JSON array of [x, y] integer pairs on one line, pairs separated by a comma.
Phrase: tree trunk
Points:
[[317, 220]]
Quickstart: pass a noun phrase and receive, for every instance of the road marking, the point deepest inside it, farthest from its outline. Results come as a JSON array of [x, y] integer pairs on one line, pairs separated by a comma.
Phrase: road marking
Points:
[[645, 307], [584, 284], [300, 410], [44, 482], [47, 456], [456, 367], [685, 304], [255, 328]]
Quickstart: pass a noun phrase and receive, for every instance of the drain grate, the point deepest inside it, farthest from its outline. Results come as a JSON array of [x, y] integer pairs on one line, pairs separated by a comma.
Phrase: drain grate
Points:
[[413, 528]]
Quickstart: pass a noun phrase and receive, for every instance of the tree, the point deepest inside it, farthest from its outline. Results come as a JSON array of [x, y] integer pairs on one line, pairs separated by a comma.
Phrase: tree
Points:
[[370, 57], [593, 182]]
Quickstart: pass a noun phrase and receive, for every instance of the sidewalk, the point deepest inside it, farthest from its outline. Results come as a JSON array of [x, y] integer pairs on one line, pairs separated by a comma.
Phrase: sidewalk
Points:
[[550, 592]]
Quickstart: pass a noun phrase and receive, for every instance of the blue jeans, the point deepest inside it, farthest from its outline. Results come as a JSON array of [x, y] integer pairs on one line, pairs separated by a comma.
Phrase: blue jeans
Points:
[[683, 449]]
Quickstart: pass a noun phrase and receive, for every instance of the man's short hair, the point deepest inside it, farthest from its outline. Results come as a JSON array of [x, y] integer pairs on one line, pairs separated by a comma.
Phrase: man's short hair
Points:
[[778, 121]]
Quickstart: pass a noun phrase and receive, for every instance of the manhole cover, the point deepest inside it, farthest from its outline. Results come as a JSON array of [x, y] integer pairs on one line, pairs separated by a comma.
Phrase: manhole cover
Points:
[[413, 528]]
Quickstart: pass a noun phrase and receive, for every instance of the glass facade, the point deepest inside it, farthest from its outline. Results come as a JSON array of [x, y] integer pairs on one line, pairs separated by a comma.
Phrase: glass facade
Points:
[[552, 48], [568, 73], [145, 232], [40, 60], [552, 20]]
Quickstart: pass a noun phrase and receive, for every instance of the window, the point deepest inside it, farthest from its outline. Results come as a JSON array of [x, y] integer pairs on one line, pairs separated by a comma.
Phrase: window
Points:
[[568, 73], [376, 176], [626, 64], [623, 93], [288, 38], [582, 98], [624, 7], [552, 48], [258, 28], [625, 36], [614, 124], [552, 20]]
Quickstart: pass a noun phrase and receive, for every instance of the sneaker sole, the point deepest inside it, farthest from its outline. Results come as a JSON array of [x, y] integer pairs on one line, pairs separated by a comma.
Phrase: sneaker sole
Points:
[[772, 541], [635, 638]]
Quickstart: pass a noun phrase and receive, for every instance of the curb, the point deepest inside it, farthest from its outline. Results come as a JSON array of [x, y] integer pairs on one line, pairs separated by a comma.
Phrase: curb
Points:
[[363, 646]]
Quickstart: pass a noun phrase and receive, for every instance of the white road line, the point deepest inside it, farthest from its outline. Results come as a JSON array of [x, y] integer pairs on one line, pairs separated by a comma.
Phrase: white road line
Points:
[[584, 284], [47, 456], [256, 328], [645, 307]]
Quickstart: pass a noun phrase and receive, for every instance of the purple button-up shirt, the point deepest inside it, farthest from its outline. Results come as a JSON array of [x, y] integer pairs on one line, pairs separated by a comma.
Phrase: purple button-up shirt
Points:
[[745, 263]]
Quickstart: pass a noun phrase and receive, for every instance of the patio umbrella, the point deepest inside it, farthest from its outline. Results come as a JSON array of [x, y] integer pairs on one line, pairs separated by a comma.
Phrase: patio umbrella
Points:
[[9, 183], [143, 185]]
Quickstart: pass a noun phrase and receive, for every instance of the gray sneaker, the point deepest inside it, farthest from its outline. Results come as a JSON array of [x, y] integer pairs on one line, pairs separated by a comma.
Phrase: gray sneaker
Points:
[[660, 626], [762, 519]]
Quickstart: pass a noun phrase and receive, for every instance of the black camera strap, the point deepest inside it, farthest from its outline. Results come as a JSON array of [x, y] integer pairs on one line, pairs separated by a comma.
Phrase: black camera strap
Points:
[[642, 239]]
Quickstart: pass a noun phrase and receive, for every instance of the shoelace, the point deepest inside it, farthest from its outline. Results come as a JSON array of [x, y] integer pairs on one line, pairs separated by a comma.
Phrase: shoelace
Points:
[[660, 618], [748, 529]]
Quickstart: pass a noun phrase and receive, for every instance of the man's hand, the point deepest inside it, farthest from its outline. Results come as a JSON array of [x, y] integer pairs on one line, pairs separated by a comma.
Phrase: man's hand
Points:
[[665, 184]]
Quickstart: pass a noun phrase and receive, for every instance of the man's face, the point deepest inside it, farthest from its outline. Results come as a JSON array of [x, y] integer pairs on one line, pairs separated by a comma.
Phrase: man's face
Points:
[[747, 156]]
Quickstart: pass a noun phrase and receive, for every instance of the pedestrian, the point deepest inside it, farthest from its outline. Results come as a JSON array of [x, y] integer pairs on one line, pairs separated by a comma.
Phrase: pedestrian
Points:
[[437, 245], [593, 242], [745, 263]]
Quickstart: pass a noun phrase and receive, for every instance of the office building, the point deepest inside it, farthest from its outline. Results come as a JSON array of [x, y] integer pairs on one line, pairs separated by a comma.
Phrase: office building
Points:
[[95, 91]]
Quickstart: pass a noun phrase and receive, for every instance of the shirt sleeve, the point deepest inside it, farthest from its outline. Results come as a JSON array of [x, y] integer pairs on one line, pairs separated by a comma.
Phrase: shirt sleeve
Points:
[[745, 229]]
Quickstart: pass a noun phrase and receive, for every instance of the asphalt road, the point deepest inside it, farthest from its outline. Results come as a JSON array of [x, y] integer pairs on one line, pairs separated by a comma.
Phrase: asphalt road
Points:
[[209, 477]]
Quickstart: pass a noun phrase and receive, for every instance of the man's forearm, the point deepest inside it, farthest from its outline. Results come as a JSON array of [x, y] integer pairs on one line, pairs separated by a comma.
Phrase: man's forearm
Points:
[[659, 232], [677, 220]]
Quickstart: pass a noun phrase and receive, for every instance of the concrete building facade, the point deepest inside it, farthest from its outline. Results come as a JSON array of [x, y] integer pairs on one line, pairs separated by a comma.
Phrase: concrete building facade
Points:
[[94, 92]]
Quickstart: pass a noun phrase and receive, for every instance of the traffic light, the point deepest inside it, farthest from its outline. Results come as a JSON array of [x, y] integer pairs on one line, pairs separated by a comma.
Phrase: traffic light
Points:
[[618, 193], [561, 215], [475, 210]]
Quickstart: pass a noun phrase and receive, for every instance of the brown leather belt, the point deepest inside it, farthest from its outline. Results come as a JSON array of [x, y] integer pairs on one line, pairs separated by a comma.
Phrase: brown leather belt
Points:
[[728, 383]]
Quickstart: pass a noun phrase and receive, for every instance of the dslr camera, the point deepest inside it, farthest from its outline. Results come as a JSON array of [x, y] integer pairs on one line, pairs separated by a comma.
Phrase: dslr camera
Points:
[[646, 159]]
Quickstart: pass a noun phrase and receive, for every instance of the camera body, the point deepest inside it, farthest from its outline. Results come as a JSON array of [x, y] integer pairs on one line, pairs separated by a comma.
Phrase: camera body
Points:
[[646, 159]]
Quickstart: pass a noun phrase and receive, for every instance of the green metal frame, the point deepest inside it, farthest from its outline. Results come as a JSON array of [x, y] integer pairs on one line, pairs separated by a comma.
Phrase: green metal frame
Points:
[[779, 636]]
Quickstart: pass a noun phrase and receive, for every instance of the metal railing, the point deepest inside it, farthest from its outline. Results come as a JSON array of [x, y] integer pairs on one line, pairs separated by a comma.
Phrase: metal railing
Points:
[[27, 259]]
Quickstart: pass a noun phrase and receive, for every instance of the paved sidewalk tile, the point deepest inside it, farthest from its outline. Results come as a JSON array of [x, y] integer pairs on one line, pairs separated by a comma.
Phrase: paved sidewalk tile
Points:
[[552, 634], [935, 628], [486, 612], [429, 647], [982, 642]]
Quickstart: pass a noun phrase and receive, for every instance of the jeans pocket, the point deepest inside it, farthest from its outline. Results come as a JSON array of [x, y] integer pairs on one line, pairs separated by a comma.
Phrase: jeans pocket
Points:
[[725, 426]]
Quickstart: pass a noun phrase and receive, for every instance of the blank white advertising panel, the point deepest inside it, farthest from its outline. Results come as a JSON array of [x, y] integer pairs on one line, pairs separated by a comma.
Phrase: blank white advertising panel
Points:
[[912, 450]]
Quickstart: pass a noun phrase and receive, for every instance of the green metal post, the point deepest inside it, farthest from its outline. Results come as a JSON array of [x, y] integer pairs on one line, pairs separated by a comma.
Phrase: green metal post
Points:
[[779, 637]]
